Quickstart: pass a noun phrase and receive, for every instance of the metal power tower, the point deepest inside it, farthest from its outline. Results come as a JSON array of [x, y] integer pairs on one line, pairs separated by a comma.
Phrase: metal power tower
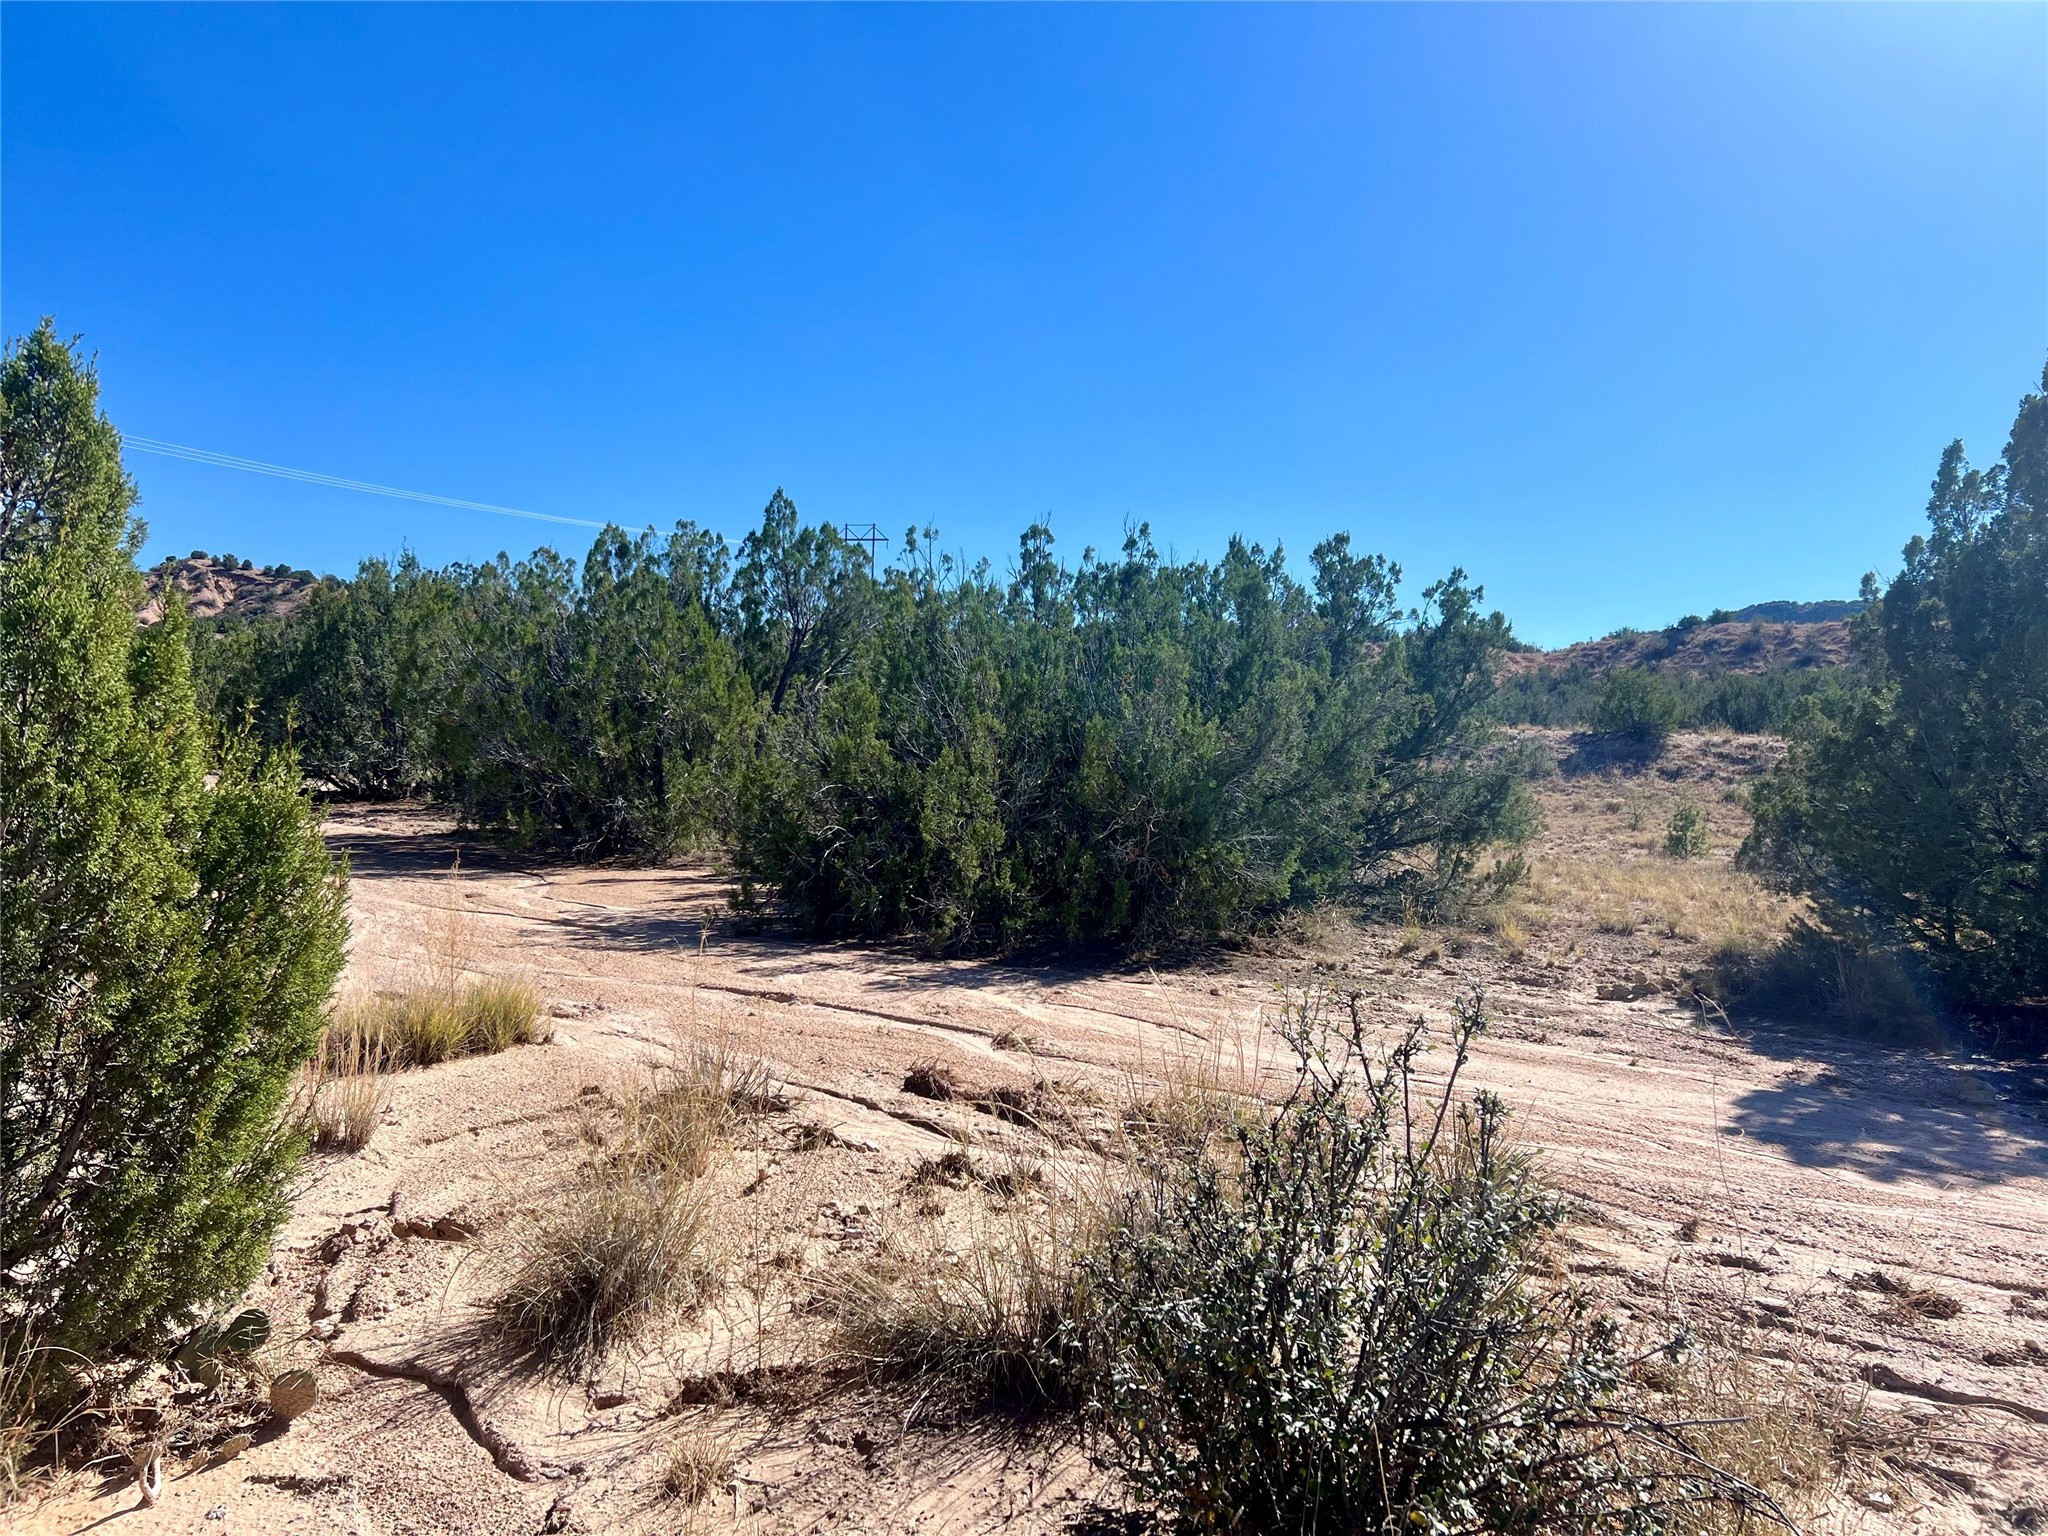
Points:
[[868, 534]]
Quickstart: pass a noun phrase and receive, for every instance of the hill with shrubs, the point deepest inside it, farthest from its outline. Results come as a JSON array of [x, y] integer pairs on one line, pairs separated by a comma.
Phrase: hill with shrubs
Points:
[[1764, 637], [1745, 670], [219, 588]]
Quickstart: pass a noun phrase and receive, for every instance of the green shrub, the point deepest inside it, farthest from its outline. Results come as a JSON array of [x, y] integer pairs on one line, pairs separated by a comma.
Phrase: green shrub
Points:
[[1134, 752], [355, 679], [1346, 1328], [170, 922], [599, 713], [1638, 704], [1916, 813], [1746, 702], [1685, 834]]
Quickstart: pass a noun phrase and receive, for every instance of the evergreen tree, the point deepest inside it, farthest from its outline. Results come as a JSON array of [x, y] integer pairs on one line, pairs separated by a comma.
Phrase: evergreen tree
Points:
[[600, 713], [1917, 811], [170, 922]]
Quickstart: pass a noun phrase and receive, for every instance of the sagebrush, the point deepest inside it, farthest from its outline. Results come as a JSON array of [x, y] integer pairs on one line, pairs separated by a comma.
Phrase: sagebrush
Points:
[[1346, 1325]]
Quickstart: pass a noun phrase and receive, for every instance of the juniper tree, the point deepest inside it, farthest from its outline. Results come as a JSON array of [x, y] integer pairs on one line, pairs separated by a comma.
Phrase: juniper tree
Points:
[[1917, 812], [171, 924]]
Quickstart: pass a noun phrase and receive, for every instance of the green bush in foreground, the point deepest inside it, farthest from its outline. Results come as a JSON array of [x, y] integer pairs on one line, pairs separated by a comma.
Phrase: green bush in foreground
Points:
[[1916, 813], [1346, 1327], [170, 922]]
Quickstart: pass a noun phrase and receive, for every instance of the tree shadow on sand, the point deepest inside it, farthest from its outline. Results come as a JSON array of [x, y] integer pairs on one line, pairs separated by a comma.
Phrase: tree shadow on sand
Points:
[[1892, 1114]]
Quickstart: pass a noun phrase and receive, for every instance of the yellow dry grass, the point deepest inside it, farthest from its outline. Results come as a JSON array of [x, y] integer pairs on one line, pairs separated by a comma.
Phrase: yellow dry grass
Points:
[[345, 1091], [445, 1009], [1702, 901], [422, 1025], [636, 1241], [993, 1312], [695, 1466], [1758, 1417]]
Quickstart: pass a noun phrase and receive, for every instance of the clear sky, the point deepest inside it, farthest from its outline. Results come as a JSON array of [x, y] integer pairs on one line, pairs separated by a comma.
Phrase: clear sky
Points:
[[1630, 310]]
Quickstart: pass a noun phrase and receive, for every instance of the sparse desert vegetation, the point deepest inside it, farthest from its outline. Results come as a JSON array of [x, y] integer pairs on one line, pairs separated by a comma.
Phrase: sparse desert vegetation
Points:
[[635, 1239], [345, 1092], [1302, 1104]]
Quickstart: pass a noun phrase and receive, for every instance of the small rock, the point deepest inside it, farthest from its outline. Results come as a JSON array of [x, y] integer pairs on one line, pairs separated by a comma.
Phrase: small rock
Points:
[[603, 1400], [1876, 1498], [218, 1512]]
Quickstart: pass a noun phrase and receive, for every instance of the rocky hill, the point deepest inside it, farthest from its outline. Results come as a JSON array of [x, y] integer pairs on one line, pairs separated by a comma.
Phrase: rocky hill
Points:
[[219, 586], [1767, 637]]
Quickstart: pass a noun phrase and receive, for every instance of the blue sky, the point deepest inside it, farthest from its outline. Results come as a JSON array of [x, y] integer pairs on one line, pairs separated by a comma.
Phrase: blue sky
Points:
[[1630, 311]]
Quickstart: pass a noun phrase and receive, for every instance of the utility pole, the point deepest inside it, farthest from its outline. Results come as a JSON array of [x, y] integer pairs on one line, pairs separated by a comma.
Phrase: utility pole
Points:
[[870, 535]]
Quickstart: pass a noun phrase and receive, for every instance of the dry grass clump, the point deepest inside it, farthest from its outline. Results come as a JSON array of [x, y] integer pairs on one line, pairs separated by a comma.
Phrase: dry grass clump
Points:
[[39, 1403], [1909, 1302], [692, 1106], [633, 1244], [1865, 989], [446, 1009], [500, 1012], [1190, 1100], [425, 1025], [345, 1094], [21, 1428], [596, 1270], [954, 1169], [1322, 930], [1760, 1421], [694, 1467], [1006, 1317]]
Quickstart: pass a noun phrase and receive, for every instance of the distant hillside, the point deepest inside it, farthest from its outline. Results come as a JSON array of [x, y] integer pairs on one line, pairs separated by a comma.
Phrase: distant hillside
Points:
[[1743, 670], [218, 586], [1790, 613], [1764, 637]]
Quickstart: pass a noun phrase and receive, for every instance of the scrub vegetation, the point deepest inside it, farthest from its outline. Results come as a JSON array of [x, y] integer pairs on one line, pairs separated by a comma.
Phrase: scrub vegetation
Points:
[[1326, 1297], [1128, 752]]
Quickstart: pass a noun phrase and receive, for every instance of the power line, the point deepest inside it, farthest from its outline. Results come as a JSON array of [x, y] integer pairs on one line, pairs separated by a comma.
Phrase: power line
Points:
[[871, 535], [312, 477]]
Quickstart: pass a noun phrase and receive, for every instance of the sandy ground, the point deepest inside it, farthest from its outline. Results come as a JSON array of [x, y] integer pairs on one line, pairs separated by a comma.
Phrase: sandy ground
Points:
[[1756, 1175]]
